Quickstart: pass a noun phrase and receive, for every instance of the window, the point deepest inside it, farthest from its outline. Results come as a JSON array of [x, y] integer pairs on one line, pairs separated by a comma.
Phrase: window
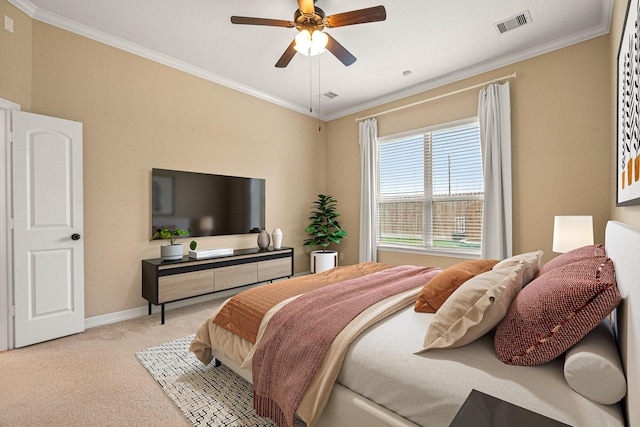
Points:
[[430, 190]]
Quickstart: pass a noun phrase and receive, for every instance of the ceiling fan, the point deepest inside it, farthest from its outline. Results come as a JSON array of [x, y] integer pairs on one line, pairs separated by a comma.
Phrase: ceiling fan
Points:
[[310, 21]]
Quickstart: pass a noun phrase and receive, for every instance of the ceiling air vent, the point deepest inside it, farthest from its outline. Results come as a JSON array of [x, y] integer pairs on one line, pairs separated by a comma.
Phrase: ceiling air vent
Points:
[[514, 22], [329, 95]]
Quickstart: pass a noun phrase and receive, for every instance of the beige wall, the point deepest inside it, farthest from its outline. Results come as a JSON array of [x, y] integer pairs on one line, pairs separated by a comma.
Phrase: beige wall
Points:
[[138, 115], [629, 214], [560, 141], [15, 56]]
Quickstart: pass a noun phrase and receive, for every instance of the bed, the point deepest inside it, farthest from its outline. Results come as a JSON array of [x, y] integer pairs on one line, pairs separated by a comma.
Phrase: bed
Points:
[[377, 371]]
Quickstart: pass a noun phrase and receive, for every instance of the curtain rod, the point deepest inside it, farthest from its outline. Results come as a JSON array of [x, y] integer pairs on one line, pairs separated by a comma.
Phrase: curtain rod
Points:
[[435, 98]]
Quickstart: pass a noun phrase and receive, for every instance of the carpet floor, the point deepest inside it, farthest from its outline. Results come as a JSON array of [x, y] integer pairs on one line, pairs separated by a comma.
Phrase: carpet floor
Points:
[[93, 379], [206, 395]]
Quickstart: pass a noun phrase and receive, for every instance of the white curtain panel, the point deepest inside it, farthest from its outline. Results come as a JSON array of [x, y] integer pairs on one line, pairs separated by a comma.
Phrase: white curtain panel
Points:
[[368, 229], [494, 112]]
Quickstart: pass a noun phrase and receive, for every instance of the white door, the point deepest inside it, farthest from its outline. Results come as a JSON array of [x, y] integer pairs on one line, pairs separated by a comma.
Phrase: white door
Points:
[[48, 254]]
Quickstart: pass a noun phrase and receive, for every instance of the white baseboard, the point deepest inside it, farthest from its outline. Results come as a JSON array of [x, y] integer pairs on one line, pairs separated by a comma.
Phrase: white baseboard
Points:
[[119, 316]]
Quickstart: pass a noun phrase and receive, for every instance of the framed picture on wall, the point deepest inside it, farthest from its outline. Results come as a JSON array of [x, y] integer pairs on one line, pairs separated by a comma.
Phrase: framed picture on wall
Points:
[[628, 112]]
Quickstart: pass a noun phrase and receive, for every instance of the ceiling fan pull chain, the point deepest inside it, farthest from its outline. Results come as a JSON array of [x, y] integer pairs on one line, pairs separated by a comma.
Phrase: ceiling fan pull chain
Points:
[[310, 87], [319, 98]]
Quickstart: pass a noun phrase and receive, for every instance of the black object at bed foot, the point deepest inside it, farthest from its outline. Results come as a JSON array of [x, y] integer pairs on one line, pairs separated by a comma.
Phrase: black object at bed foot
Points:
[[216, 363]]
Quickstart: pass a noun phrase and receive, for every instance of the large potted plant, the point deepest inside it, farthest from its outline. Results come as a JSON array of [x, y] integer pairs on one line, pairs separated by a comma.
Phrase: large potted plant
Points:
[[173, 250], [324, 230]]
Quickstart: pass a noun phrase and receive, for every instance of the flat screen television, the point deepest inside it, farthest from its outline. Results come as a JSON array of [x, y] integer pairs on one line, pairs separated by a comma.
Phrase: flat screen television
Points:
[[209, 205]]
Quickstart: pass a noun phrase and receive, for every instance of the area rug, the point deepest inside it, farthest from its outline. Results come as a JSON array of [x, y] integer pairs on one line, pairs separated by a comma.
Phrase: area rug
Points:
[[206, 395]]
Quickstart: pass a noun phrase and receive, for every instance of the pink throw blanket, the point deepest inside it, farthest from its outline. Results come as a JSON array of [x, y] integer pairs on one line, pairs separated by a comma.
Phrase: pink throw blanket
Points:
[[299, 335]]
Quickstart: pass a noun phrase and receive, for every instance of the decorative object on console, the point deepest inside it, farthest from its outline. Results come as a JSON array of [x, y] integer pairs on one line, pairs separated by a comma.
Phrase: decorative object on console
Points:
[[324, 230], [572, 232], [173, 250], [210, 253], [263, 239], [277, 238], [193, 245]]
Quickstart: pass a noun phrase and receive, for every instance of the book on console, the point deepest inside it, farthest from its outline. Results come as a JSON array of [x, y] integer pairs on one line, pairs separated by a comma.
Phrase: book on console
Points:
[[210, 253]]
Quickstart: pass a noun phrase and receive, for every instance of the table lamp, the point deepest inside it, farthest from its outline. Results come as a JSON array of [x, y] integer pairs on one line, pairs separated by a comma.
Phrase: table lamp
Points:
[[572, 232]]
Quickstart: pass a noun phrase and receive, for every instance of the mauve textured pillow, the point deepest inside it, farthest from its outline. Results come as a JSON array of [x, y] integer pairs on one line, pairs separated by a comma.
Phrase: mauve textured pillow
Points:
[[579, 254], [593, 368], [438, 289], [479, 304], [555, 311]]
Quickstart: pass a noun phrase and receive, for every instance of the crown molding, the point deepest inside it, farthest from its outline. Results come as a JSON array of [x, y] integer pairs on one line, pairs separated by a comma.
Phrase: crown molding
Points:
[[601, 29], [24, 5], [75, 27]]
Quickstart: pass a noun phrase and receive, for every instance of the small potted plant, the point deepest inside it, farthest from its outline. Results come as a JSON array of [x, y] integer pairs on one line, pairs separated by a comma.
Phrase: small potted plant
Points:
[[324, 230], [173, 250]]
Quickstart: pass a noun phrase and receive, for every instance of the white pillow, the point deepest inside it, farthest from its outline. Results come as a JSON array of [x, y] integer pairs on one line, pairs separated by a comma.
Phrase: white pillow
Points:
[[531, 264], [480, 303], [593, 368]]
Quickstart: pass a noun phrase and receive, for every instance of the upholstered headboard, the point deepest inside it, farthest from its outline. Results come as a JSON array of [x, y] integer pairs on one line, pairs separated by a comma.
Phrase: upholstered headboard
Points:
[[622, 243]]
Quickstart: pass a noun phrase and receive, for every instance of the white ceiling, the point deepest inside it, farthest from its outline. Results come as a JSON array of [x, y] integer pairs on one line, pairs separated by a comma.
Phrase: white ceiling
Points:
[[438, 41]]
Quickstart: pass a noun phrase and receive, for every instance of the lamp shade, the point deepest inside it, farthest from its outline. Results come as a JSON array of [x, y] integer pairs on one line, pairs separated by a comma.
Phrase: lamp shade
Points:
[[572, 232]]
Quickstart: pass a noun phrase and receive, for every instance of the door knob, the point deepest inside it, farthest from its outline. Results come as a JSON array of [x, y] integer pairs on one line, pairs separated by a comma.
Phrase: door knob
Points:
[[75, 236]]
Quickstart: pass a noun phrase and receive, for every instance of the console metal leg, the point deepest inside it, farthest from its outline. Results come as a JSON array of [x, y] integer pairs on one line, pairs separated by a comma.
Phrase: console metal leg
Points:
[[217, 363], [149, 309], [162, 315]]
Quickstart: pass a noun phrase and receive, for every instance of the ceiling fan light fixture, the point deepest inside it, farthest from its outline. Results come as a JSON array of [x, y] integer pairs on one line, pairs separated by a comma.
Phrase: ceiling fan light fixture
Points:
[[311, 44]]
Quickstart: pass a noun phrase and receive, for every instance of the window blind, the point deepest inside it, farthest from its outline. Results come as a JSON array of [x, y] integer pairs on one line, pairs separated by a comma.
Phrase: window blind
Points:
[[430, 190]]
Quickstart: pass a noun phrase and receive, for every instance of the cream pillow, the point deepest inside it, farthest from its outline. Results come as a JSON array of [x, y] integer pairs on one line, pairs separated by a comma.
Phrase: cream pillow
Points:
[[531, 264], [593, 368], [480, 303]]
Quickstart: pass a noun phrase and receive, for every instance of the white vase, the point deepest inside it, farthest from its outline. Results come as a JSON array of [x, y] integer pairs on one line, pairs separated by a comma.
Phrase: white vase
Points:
[[322, 261], [170, 252], [277, 238]]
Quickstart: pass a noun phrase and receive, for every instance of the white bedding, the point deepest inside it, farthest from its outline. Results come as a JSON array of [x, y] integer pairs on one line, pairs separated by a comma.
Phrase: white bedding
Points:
[[382, 377], [429, 388]]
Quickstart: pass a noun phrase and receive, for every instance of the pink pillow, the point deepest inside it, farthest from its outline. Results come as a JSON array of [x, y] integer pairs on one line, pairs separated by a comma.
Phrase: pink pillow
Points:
[[555, 311], [579, 254]]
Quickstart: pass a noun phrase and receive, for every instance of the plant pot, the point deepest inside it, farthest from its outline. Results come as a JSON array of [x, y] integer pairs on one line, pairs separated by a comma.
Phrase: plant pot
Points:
[[169, 252], [322, 261]]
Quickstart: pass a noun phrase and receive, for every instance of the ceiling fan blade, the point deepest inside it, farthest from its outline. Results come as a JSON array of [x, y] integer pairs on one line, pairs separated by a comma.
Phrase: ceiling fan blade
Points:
[[371, 14], [287, 56], [306, 7], [340, 52], [262, 21]]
